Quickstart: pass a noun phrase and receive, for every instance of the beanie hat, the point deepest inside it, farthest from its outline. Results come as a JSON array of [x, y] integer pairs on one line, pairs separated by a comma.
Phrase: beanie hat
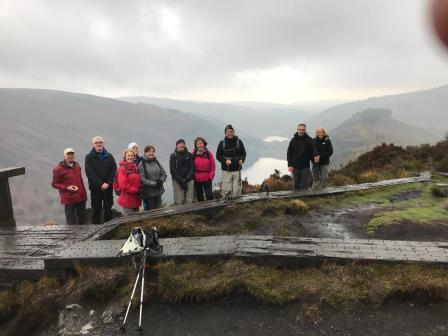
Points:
[[228, 127], [180, 141], [132, 144]]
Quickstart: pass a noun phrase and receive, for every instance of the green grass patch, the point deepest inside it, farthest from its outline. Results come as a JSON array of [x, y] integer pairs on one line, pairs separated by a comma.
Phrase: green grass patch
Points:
[[426, 209], [381, 196]]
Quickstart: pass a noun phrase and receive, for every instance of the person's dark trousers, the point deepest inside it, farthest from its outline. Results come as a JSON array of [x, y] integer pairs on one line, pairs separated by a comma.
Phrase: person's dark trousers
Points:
[[301, 178], [203, 188], [101, 201], [75, 213], [152, 203]]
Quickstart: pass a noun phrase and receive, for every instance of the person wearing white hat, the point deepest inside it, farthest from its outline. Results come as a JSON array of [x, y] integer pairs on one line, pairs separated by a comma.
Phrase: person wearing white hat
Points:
[[67, 178], [135, 148]]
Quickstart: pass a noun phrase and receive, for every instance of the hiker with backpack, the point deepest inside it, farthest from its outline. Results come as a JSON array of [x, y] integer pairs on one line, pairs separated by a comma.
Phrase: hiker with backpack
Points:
[[231, 154], [100, 169], [301, 151], [324, 152], [127, 184], [152, 177], [182, 172], [204, 170]]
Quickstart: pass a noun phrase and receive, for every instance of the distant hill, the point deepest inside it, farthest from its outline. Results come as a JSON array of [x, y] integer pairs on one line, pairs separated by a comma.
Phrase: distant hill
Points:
[[258, 119], [372, 127], [425, 109], [36, 126]]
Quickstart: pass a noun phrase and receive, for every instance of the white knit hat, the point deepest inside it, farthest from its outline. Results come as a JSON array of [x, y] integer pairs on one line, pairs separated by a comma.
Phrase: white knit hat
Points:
[[133, 144]]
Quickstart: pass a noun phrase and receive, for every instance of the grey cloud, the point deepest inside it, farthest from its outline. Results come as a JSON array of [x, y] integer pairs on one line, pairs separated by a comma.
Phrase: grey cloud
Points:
[[122, 45]]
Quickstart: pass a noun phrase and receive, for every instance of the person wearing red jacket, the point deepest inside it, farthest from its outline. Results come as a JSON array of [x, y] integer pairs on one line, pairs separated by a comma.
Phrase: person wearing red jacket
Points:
[[204, 170], [128, 180], [67, 178]]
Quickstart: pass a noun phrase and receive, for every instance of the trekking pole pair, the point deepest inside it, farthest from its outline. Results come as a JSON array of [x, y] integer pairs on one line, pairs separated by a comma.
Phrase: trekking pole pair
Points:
[[141, 273]]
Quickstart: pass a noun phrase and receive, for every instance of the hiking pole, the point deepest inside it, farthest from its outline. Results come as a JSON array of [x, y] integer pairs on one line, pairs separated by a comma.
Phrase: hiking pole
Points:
[[142, 290], [122, 328]]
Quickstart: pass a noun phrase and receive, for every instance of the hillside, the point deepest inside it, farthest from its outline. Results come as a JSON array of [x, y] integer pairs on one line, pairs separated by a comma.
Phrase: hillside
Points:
[[258, 119], [36, 125], [371, 127], [425, 108]]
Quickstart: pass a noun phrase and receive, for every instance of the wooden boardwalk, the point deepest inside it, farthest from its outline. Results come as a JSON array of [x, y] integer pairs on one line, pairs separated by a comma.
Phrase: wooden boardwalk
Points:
[[33, 251], [264, 249], [23, 248]]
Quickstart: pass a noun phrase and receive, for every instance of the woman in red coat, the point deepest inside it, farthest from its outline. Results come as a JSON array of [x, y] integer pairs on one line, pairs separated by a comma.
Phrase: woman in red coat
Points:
[[204, 170], [128, 181]]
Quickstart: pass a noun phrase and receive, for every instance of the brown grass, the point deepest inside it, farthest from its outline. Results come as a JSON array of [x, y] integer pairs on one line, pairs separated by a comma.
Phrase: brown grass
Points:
[[342, 286]]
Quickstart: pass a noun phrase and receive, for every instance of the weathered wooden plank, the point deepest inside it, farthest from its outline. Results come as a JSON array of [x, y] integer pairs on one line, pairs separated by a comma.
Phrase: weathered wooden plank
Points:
[[285, 250], [6, 173]]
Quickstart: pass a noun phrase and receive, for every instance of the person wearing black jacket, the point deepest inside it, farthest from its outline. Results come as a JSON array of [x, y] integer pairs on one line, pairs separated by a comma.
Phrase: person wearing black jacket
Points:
[[231, 154], [100, 169], [324, 151], [301, 151], [182, 172]]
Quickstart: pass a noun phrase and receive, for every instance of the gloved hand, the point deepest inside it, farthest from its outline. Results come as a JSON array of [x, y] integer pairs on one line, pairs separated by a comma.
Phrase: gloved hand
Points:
[[159, 183]]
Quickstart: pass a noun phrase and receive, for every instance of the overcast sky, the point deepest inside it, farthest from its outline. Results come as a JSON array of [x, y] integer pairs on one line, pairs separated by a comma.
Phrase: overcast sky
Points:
[[278, 51]]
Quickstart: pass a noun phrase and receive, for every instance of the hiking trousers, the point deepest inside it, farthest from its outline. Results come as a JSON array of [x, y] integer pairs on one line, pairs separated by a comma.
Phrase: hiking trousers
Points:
[[182, 196], [231, 184]]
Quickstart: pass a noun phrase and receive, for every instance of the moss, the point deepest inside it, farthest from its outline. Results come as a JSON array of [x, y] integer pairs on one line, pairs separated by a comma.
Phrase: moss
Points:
[[425, 209], [380, 196]]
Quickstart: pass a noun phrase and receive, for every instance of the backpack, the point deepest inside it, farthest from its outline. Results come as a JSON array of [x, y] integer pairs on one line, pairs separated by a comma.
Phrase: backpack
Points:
[[237, 147]]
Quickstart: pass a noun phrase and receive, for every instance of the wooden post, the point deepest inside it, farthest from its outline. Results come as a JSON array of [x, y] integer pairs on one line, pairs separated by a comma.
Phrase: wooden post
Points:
[[6, 211]]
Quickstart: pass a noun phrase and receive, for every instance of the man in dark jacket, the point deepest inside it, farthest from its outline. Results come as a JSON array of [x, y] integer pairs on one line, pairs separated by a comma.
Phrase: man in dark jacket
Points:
[[100, 170], [301, 151], [231, 154], [182, 172], [67, 178]]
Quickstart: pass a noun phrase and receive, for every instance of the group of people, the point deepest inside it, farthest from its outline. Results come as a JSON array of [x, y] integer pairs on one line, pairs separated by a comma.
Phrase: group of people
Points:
[[140, 179], [301, 150]]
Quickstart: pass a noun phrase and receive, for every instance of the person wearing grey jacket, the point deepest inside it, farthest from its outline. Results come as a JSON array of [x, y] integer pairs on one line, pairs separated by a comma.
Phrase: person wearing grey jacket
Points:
[[152, 177]]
